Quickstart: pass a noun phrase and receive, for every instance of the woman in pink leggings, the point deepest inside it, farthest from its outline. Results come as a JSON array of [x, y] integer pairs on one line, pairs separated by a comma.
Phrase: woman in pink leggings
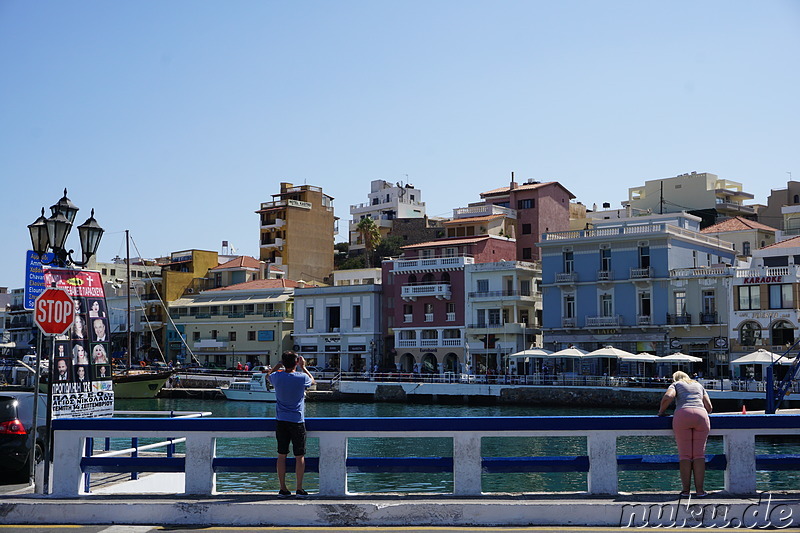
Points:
[[691, 425]]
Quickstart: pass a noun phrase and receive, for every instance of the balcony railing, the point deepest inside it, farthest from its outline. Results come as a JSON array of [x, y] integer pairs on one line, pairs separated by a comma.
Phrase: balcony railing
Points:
[[428, 317], [421, 265], [408, 318], [708, 318], [500, 294], [272, 243], [566, 277], [679, 320], [644, 320], [451, 317], [642, 273], [273, 224], [568, 322], [603, 321], [438, 290], [605, 275]]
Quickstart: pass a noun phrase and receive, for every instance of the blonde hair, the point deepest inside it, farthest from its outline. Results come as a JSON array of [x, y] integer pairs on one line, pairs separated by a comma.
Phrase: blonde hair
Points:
[[680, 376]]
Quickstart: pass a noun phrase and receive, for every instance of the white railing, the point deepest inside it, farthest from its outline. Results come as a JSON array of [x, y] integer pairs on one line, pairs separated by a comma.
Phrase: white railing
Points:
[[637, 229], [566, 277], [700, 272], [762, 272], [601, 462], [451, 317], [439, 290], [416, 265], [568, 322], [603, 321], [642, 273]]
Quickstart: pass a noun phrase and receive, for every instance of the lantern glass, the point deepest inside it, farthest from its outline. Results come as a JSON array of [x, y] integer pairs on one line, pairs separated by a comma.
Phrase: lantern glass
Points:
[[57, 230], [39, 239], [66, 208], [90, 234]]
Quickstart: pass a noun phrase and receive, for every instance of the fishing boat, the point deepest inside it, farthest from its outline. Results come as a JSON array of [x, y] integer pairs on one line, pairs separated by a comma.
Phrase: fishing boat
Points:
[[255, 389], [139, 384]]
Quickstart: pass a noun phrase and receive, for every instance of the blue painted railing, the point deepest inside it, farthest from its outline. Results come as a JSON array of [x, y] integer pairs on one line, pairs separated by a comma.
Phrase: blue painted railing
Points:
[[602, 464]]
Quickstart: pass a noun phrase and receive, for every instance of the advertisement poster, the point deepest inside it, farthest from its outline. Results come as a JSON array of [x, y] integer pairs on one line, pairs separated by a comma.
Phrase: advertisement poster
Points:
[[81, 366]]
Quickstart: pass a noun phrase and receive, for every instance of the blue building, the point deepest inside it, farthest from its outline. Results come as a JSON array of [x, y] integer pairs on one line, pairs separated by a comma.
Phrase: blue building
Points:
[[611, 284]]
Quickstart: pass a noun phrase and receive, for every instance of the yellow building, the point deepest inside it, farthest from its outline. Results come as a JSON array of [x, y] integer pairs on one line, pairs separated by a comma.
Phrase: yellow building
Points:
[[297, 231], [250, 321]]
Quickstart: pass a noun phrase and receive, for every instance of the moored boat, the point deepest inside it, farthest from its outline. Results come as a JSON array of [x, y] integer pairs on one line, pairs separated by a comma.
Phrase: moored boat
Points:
[[255, 389], [139, 384]]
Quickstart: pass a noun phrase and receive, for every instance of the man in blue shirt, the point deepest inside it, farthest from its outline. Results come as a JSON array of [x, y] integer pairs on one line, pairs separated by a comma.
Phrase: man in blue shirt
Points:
[[291, 378]]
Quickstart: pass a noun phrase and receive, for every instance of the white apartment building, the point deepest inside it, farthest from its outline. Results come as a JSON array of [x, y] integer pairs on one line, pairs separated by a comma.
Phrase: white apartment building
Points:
[[386, 202]]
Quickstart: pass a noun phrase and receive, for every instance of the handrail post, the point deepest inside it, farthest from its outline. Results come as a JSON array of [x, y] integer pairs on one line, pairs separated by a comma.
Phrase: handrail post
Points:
[[333, 464], [67, 454], [740, 453], [467, 464], [200, 452], [602, 450]]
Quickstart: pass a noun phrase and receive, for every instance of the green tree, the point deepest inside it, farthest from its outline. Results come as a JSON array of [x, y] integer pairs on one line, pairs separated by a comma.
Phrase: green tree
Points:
[[391, 246], [370, 236]]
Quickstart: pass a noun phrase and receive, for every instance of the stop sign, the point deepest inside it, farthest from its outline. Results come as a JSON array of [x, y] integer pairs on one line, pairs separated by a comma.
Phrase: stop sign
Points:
[[54, 311]]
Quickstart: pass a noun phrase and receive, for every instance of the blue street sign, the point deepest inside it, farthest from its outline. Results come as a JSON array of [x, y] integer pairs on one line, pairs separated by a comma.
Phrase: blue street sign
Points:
[[34, 277]]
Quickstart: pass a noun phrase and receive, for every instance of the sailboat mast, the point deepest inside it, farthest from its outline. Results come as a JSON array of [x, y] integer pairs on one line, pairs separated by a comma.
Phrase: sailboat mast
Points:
[[128, 310]]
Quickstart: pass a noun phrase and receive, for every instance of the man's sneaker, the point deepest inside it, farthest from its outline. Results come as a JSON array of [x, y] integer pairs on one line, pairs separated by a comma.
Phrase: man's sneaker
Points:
[[284, 493], [301, 493]]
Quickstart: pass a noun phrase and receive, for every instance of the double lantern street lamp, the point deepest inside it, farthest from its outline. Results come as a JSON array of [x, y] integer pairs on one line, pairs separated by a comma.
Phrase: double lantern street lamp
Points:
[[50, 234]]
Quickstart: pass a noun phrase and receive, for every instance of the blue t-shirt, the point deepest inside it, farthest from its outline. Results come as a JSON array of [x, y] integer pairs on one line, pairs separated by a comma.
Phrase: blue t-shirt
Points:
[[290, 387]]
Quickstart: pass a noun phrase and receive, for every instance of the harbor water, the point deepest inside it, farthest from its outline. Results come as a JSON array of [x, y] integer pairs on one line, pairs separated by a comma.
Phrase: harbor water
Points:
[[648, 481]]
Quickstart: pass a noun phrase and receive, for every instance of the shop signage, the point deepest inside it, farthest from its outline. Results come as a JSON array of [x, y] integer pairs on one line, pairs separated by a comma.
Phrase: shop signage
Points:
[[763, 279]]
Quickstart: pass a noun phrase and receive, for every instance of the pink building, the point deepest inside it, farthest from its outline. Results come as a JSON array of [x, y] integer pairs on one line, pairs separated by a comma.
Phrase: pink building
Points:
[[425, 298]]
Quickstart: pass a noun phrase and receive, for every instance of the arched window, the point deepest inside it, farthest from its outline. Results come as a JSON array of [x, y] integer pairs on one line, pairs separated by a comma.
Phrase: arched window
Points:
[[796, 199], [451, 363], [412, 278], [748, 333], [445, 277], [427, 278], [406, 362], [430, 364], [782, 333]]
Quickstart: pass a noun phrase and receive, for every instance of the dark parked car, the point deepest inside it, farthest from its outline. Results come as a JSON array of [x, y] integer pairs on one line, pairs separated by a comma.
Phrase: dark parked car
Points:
[[16, 437]]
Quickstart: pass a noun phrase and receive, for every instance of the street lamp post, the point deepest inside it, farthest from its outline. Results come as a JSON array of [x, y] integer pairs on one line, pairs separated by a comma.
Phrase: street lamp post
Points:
[[50, 235]]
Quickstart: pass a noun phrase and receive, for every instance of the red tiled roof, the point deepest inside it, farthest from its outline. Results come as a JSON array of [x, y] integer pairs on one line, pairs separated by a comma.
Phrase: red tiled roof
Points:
[[473, 219], [736, 224], [243, 261], [455, 241], [260, 284], [794, 242]]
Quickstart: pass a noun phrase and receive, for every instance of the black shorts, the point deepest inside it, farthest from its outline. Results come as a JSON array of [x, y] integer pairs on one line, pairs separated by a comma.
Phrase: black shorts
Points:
[[293, 432]]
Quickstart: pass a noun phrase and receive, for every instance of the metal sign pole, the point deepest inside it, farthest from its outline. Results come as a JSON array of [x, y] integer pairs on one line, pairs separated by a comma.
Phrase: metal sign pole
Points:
[[49, 425], [32, 472]]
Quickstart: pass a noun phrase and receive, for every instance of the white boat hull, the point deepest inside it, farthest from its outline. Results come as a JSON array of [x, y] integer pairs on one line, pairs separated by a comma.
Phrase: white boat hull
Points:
[[249, 396]]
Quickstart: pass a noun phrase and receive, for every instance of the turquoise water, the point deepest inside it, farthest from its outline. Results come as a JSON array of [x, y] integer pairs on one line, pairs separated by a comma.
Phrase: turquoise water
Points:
[[442, 447]]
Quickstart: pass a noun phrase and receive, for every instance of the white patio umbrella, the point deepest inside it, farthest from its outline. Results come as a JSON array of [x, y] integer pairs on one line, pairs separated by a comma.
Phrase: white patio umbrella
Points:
[[642, 357], [760, 357], [679, 357], [609, 351], [570, 353], [533, 351]]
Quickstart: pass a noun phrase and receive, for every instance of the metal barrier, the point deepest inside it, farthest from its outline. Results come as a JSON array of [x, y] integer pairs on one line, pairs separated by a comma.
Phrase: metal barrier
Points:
[[200, 464]]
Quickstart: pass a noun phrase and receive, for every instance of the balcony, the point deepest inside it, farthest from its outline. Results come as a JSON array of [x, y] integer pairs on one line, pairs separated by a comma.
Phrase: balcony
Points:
[[272, 243], [407, 343], [408, 318], [527, 295], [566, 277], [568, 322], [440, 291], [451, 317], [708, 318], [273, 224], [603, 321], [431, 264], [428, 317], [605, 275], [644, 320], [679, 320], [642, 273]]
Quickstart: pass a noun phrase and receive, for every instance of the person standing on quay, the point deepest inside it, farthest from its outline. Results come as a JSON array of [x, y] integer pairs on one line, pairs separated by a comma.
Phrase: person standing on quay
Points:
[[291, 378], [691, 426]]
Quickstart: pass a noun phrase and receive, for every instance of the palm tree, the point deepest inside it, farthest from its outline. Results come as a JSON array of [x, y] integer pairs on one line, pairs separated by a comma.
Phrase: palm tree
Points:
[[370, 236]]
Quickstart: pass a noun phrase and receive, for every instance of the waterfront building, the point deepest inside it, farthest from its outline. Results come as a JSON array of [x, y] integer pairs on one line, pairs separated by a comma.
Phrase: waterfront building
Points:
[[702, 194], [540, 208], [697, 318], [339, 327], [249, 321], [357, 276], [20, 330], [183, 273], [297, 229], [612, 284], [503, 312], [766, 312], [386, 203], [773, 213], [425, 298], [745, 235]]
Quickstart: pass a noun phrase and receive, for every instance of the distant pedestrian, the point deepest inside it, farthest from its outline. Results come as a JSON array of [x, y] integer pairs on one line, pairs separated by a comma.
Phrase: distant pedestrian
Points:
[[290, 386]]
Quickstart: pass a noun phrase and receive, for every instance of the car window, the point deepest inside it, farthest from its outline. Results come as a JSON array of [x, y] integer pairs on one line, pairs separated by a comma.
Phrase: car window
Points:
[[8, 409]]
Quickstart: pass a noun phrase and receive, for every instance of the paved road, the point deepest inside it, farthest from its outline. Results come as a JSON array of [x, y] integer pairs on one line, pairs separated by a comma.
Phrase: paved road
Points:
[[393, 529]]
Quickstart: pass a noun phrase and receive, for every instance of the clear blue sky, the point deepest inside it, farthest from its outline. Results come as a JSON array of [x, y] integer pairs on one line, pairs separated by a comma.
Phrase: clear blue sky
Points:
[[175, 119]]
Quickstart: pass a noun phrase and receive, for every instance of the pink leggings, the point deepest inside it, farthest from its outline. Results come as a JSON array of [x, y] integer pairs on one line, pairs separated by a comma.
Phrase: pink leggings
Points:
[[691, 427]]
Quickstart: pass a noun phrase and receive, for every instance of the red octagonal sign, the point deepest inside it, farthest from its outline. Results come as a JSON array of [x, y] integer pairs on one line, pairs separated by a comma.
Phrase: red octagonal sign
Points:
[[54, 311]]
